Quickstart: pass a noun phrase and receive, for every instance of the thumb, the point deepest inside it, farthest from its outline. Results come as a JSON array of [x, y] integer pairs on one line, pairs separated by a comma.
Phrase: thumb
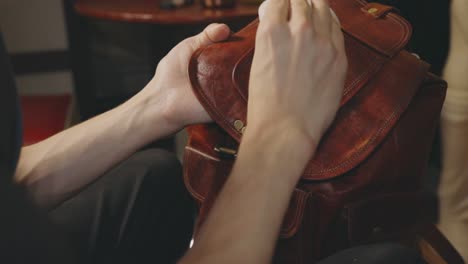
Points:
[[211, 34]]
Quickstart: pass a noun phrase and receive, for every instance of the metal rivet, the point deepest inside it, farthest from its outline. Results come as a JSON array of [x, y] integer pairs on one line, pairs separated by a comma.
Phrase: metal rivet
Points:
[[243, 130], [238, 124], [372, 10]]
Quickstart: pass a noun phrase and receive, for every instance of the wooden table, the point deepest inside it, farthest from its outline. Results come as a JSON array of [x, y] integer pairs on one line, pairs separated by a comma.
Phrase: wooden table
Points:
[[148, 11]]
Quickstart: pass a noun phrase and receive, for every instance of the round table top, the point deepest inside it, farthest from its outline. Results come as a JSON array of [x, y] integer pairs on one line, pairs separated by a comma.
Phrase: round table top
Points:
[[148, 11]]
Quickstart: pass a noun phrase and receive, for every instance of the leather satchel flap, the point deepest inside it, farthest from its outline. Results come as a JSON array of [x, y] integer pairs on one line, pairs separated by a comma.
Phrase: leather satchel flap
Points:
[[373, 99]]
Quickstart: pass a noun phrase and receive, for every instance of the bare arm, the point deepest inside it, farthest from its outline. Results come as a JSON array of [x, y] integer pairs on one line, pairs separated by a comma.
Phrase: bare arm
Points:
[[286, 86], [244, 223], [63, 164], [453, 213]]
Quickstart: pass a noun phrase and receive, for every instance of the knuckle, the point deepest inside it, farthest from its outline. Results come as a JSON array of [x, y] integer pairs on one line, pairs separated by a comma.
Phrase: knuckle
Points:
[[270, 29], [266, 28], [191, 42], [326, 48], [299, 5], [321, 41], [303, 27]]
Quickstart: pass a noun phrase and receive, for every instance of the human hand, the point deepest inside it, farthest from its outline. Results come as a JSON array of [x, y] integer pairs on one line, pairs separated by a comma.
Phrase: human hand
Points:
[[298, 72], [170, 86]]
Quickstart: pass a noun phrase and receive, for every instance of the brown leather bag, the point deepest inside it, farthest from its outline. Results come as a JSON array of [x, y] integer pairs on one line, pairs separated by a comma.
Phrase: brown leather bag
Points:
[[364, 182]]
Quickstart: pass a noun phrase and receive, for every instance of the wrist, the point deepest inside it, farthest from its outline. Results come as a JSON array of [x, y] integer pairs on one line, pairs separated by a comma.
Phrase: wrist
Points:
[[282, 153], [149, 113], [281, 136]]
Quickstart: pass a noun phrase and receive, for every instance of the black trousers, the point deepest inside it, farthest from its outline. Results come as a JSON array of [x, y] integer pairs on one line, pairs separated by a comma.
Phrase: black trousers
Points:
[[382, 253], [138, 212]]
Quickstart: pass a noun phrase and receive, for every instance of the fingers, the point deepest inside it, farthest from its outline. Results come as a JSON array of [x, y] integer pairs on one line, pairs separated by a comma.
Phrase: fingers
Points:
[[261, 10], [314, 13], [211, 34], [322, 18], [301, 14], [338, 42], [274, 11]]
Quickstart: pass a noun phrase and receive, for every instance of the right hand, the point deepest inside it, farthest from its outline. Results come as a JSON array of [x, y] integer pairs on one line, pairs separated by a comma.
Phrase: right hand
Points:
[[298, 70]]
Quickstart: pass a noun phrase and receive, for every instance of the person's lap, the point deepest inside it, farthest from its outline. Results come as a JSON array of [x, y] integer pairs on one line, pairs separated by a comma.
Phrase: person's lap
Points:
[[138, 212], [381, 253]]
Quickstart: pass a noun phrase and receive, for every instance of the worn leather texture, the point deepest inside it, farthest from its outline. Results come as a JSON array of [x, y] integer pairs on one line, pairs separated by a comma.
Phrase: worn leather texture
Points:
[[364, 182]]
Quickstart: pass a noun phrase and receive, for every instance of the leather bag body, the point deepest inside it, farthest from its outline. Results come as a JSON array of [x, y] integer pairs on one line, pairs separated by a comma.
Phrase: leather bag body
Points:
[[364, 183]]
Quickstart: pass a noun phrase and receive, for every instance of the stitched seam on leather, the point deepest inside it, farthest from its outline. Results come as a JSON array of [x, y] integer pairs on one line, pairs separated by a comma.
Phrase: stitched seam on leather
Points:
[[226, 122], [291, 229], [397, 19], [220, 117], [187, 181], [351, 86], [395, 114], [235, 70], [360, 78], [212, 111], [241, 58], [285, 232], [231, 130], [365, 148], [405, 29], [192, 191]]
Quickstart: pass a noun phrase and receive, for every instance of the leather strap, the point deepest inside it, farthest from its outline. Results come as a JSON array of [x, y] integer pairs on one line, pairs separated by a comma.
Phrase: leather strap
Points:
[[373, 29]]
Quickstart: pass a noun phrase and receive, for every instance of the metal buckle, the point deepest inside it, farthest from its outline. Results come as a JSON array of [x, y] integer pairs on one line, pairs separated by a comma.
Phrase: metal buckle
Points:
[[226, 152]]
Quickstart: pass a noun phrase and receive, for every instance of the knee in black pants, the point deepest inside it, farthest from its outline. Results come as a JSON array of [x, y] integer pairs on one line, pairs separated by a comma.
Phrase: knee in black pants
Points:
[[138, 212], [383, 253]]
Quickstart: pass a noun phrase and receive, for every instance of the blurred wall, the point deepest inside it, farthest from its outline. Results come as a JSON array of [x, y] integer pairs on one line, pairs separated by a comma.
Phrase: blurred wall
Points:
[[34, 32]]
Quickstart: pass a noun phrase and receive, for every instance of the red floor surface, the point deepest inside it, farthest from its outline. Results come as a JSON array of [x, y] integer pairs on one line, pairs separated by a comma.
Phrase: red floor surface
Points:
[[43, 116]]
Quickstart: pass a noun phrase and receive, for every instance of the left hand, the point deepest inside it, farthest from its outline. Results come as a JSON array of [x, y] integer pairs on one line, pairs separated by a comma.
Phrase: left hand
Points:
[[171, 84]]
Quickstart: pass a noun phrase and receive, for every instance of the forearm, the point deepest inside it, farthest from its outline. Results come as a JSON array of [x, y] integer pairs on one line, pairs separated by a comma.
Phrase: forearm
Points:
[[454, 121], [244, 223], [63, 164], [291, 103], [455, 111], [457, 61]]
